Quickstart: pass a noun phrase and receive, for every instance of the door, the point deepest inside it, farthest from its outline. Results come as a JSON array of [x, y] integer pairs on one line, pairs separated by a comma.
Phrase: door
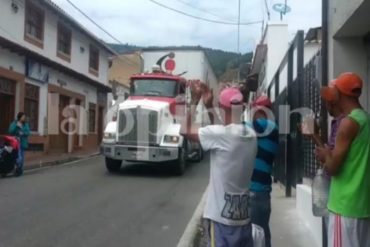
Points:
[[100, 124], [76, 137], [7, 112], [59, 142], [7, 104]]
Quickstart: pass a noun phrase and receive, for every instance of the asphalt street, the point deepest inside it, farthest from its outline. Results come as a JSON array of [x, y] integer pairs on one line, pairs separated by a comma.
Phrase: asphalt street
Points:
[[83, 205]]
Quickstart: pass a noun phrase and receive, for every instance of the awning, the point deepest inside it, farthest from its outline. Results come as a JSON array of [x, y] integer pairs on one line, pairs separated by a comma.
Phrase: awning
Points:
[[314, 34]]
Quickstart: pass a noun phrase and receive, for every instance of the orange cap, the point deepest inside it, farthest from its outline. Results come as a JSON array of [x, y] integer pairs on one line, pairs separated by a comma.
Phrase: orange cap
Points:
[[348, 84]]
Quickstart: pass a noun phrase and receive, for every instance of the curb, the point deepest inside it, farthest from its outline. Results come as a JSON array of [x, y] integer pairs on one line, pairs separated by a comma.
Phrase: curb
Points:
[[65, 161], [188, 237]]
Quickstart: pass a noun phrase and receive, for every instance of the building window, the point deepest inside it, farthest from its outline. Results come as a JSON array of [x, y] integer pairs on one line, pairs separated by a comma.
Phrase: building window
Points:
[[34, 26], [94, 60], [31, 105], [64, 42], [92, 115]]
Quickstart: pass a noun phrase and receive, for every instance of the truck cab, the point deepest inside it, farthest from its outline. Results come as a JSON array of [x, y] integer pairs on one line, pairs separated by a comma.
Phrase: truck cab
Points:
[[147, 128]]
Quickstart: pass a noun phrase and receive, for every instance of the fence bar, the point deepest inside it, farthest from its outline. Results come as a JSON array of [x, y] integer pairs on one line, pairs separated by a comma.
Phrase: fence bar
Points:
[[289, 163]]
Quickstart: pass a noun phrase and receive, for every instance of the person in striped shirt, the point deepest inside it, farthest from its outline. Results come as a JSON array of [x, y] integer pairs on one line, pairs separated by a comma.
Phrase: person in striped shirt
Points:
[[268, 141]]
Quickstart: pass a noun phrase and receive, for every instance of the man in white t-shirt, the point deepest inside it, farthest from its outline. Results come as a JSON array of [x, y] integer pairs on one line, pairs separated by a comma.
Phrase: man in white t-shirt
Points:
[[233, 149]]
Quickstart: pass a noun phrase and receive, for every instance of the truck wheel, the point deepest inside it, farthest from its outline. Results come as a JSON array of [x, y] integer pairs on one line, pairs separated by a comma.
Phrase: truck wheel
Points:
[[180, 165], [113, 165]]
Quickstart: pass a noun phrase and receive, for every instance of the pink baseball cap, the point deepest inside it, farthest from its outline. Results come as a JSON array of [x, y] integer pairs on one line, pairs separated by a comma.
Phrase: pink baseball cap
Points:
[[230, 96], [262, 101]]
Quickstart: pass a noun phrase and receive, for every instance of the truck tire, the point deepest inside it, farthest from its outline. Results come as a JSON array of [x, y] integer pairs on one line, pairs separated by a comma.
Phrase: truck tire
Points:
[[113, 165], [180, 163]]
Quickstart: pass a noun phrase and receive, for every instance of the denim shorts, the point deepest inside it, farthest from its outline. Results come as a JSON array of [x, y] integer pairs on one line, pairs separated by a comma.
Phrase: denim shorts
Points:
[[220, 235]]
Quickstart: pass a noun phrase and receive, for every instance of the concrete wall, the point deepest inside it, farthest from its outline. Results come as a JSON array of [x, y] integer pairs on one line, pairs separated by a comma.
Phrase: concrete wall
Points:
[[10, 60], [340, 11], [347, 53], [304, 208], [277, 40], [12, 26]]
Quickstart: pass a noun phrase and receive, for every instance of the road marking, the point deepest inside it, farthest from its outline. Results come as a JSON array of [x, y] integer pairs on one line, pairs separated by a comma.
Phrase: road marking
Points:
[[191, 229], [41, 168]]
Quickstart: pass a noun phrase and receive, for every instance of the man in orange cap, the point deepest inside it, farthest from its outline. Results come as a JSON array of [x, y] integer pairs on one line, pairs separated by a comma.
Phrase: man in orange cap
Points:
[[349, 165]]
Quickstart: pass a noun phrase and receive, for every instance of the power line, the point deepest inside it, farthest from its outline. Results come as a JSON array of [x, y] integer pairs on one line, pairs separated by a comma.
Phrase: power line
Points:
[[203, 10], [201, 18], [132, 63]]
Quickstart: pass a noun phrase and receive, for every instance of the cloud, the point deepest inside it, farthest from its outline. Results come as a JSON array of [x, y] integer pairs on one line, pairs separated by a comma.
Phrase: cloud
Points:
[[141, 22]]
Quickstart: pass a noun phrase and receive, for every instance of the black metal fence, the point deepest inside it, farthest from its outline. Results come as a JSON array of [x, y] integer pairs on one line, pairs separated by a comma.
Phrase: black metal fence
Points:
[[295, 159], [311, 99]]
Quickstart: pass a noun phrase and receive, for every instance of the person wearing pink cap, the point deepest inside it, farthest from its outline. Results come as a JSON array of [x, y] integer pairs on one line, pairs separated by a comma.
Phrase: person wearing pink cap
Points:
[[268, 144], [233, 148]]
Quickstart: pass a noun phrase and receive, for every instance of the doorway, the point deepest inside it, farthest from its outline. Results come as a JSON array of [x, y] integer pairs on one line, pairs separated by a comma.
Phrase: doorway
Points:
[[76, 127], [100, 124], [7, 104], [59, 142]]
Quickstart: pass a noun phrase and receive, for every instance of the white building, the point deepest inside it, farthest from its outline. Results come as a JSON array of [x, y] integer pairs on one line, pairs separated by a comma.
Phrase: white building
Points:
[[48, 62], [270, 53]]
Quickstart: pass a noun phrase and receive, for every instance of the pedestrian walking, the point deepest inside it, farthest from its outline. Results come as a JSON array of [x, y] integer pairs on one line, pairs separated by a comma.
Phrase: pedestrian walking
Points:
[[20, 129], [349, 165], [233, 148], [261, 186]]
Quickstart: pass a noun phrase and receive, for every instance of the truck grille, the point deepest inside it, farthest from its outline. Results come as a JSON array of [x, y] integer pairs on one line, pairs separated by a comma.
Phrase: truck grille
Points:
[[138, 126]]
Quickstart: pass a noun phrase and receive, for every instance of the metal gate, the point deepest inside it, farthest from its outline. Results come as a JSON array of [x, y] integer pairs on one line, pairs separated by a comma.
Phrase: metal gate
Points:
[[295, 159]]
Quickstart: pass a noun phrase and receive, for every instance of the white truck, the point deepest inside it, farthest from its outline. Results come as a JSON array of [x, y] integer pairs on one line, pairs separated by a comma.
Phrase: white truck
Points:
[[147, 128]]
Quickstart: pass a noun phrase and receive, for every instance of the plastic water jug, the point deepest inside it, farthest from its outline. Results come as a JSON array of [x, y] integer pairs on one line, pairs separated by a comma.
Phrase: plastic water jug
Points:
[[320, 194]]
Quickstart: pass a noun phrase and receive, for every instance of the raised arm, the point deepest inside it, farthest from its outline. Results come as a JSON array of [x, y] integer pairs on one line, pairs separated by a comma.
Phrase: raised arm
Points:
[[189, 129]]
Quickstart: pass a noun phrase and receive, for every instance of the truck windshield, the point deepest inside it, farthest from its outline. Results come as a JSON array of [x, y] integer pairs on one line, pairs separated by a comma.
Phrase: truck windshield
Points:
[[154, 87]]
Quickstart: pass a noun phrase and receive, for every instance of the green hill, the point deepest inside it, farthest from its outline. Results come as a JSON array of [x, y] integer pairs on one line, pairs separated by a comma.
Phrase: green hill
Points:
[[223, 62]]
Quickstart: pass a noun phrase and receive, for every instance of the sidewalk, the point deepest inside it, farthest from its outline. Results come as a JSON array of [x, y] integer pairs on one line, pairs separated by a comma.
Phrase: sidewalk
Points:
[[52, 159], [287, 228]]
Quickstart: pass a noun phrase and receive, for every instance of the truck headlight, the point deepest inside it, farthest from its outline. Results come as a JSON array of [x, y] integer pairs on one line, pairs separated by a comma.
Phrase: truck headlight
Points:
[[171, 139], [109, 135]]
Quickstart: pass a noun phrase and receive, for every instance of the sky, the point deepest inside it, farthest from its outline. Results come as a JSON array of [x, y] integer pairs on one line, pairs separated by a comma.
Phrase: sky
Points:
[[143, 23]]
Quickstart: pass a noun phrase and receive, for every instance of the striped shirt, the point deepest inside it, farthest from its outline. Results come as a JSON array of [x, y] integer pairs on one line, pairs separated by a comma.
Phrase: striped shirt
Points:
[[268, 144]]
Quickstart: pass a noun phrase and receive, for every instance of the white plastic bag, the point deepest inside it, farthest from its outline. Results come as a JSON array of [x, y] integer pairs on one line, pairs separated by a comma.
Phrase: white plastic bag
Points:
[[258, 236]]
